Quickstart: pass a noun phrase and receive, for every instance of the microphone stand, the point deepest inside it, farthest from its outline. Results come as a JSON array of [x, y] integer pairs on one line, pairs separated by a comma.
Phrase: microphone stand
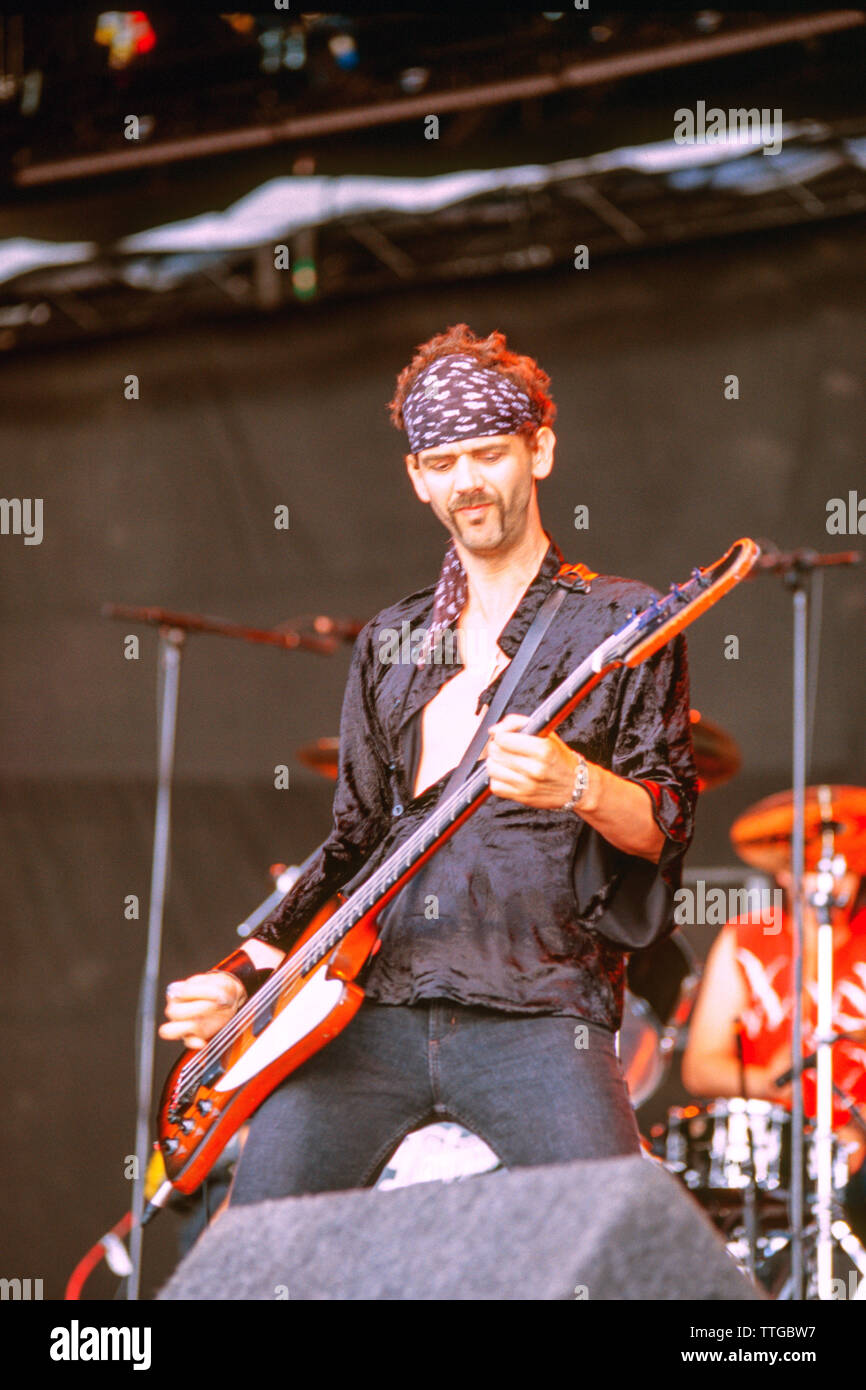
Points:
[[796, 569], [171, 640], [173, 628]]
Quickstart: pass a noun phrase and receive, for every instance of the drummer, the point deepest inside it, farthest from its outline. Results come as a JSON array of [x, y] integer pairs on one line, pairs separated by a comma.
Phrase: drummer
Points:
[[740, 1031]]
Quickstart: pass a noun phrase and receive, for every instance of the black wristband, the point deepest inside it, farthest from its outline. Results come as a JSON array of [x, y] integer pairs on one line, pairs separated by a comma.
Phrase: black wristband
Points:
[[243, 969]]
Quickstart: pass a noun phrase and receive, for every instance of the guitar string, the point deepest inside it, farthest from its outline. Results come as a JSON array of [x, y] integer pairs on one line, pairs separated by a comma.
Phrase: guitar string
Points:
[[382, 879], [724, 574], [442, 816], [437, 823]]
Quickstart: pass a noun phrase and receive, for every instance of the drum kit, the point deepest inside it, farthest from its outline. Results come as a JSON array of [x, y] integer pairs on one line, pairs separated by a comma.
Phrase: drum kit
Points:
[[734, 1156]]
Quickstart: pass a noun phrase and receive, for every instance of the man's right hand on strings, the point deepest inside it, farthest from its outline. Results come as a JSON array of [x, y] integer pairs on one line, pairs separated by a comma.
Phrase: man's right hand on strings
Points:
[[198, 1007]]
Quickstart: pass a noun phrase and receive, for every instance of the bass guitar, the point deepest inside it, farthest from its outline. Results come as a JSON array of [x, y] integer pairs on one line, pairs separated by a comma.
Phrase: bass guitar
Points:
[[313, 994]]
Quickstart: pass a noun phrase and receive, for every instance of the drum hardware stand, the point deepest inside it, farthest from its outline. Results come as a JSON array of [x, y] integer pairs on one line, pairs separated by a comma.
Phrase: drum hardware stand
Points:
[[796, 570], [173, 628], [842, 1233], [752, 1193]]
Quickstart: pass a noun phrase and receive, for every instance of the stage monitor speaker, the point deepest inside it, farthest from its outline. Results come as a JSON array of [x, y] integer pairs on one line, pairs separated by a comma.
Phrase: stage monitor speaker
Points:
[[620, 1228]]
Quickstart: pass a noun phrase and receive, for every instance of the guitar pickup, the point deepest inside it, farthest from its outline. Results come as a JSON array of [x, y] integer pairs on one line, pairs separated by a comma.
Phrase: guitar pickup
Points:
[[213, 1073], [263, 1018]]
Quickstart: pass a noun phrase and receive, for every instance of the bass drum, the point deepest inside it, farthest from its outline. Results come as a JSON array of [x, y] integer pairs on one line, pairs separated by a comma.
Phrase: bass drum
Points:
[[661, 985]]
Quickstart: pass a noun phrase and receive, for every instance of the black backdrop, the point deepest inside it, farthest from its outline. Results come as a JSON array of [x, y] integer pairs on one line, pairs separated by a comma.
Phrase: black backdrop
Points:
[[169, 500]]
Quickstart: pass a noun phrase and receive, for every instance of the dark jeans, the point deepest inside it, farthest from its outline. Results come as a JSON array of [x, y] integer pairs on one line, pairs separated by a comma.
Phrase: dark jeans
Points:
[[523, 1083]]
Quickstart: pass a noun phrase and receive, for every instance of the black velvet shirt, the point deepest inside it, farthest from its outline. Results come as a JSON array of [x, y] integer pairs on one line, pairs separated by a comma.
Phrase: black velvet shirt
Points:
[[523, 910]]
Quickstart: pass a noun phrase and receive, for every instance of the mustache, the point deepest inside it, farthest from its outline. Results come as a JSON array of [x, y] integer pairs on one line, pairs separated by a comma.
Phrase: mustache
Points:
[[472, 500]]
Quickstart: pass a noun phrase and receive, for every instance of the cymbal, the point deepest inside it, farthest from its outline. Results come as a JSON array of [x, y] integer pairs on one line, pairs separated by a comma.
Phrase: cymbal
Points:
[[762, 835], [717, 756], [321, 756]]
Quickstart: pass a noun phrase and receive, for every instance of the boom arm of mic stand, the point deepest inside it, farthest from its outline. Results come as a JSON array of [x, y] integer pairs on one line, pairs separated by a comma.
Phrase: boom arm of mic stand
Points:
[[286, 881]]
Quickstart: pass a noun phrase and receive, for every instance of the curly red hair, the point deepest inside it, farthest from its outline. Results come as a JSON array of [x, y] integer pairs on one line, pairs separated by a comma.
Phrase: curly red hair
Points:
[[492, 351]]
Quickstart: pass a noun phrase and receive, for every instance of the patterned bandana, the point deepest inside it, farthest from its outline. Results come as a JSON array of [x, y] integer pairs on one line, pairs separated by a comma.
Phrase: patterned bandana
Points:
[[449, 601], [455, 398]]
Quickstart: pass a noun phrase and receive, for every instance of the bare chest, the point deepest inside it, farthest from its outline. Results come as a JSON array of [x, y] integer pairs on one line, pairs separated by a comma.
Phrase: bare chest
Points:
[[451, 718]]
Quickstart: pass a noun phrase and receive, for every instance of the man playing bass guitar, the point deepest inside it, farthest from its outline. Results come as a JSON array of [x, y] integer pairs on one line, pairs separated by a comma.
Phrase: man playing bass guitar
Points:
[[497, 990]]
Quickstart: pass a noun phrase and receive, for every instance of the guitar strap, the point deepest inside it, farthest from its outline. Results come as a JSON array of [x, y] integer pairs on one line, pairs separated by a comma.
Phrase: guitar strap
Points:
[[570, 579]]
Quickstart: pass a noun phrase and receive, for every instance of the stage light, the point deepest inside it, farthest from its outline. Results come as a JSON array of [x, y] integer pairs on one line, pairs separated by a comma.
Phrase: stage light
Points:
[[414, 79], [271, 44], [294, 50], [304, 278], [708, 21], [345, 51], [282, 48], [126, 34], [31, 92], [241, 23]]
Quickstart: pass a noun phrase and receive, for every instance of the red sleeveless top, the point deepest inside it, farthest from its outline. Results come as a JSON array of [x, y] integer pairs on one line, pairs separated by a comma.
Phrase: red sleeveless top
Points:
[[765, 962]]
